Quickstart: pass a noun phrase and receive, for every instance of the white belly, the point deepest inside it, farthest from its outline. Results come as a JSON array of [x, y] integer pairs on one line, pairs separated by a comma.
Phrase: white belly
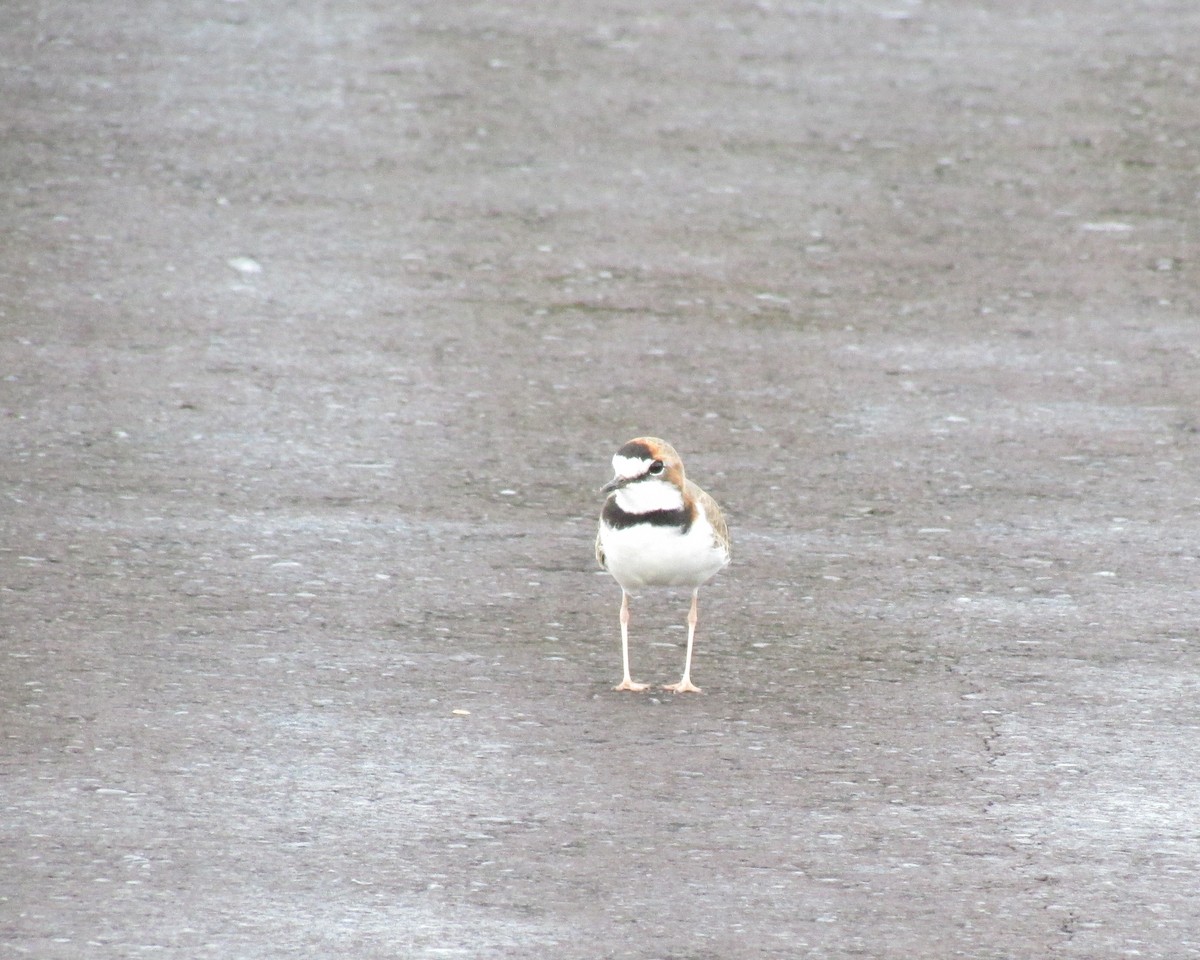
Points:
[[645, 555]]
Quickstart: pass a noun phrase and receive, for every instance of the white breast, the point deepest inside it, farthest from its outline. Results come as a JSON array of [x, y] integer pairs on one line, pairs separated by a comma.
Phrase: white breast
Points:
[[646, 555]]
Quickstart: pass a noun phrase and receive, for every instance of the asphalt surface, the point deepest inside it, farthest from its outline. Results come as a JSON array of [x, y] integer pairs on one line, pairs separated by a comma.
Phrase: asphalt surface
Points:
[[319, 324]]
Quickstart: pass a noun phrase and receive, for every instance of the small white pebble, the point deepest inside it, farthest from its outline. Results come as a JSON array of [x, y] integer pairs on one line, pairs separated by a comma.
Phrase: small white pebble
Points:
[[245, 265]]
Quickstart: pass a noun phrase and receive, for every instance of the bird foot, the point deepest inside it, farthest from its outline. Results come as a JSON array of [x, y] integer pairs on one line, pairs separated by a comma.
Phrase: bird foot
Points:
[[683, 686], [628, 684]]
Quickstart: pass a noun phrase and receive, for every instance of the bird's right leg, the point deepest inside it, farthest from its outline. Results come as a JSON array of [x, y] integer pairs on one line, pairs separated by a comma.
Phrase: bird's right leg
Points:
[[627, 683]]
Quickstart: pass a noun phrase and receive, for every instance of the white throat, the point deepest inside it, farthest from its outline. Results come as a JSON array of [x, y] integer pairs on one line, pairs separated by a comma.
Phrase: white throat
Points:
[[647, 496]]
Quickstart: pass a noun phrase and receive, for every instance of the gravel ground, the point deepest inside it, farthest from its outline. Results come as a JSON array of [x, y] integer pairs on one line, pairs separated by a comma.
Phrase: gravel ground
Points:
[[320, 323]]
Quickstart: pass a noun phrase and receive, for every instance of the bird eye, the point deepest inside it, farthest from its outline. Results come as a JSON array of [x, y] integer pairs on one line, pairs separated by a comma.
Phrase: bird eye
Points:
[[656, 468]]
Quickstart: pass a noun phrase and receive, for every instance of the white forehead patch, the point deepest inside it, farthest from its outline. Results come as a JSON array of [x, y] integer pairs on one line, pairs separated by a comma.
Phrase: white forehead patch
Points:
[[629, 467]]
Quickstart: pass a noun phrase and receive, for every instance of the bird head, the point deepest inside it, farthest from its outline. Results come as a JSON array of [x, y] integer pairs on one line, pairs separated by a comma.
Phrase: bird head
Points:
[[645, 460]]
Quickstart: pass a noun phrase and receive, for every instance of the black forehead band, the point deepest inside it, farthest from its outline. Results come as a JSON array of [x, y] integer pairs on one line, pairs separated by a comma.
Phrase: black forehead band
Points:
[[636, 451]]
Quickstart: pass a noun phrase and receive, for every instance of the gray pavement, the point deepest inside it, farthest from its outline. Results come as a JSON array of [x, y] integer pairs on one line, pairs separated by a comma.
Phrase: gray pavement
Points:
[[318, 326]]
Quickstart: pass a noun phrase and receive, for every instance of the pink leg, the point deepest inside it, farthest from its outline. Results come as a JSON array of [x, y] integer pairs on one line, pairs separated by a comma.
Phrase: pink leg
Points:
[[685, 685], [627, 683]]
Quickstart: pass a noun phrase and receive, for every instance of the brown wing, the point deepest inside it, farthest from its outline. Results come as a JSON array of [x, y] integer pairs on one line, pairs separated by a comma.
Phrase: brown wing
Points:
[[715, 517], [600, 553]]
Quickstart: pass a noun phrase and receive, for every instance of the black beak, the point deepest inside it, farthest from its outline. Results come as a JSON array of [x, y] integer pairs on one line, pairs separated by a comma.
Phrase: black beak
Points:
[[616, 483]]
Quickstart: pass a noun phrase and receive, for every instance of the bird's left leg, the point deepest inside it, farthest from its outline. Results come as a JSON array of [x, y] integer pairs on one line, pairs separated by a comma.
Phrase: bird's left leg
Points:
[[685, 685]]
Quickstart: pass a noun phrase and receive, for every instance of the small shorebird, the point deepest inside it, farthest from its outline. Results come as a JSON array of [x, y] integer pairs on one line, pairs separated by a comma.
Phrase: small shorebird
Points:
[[658, 529]]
